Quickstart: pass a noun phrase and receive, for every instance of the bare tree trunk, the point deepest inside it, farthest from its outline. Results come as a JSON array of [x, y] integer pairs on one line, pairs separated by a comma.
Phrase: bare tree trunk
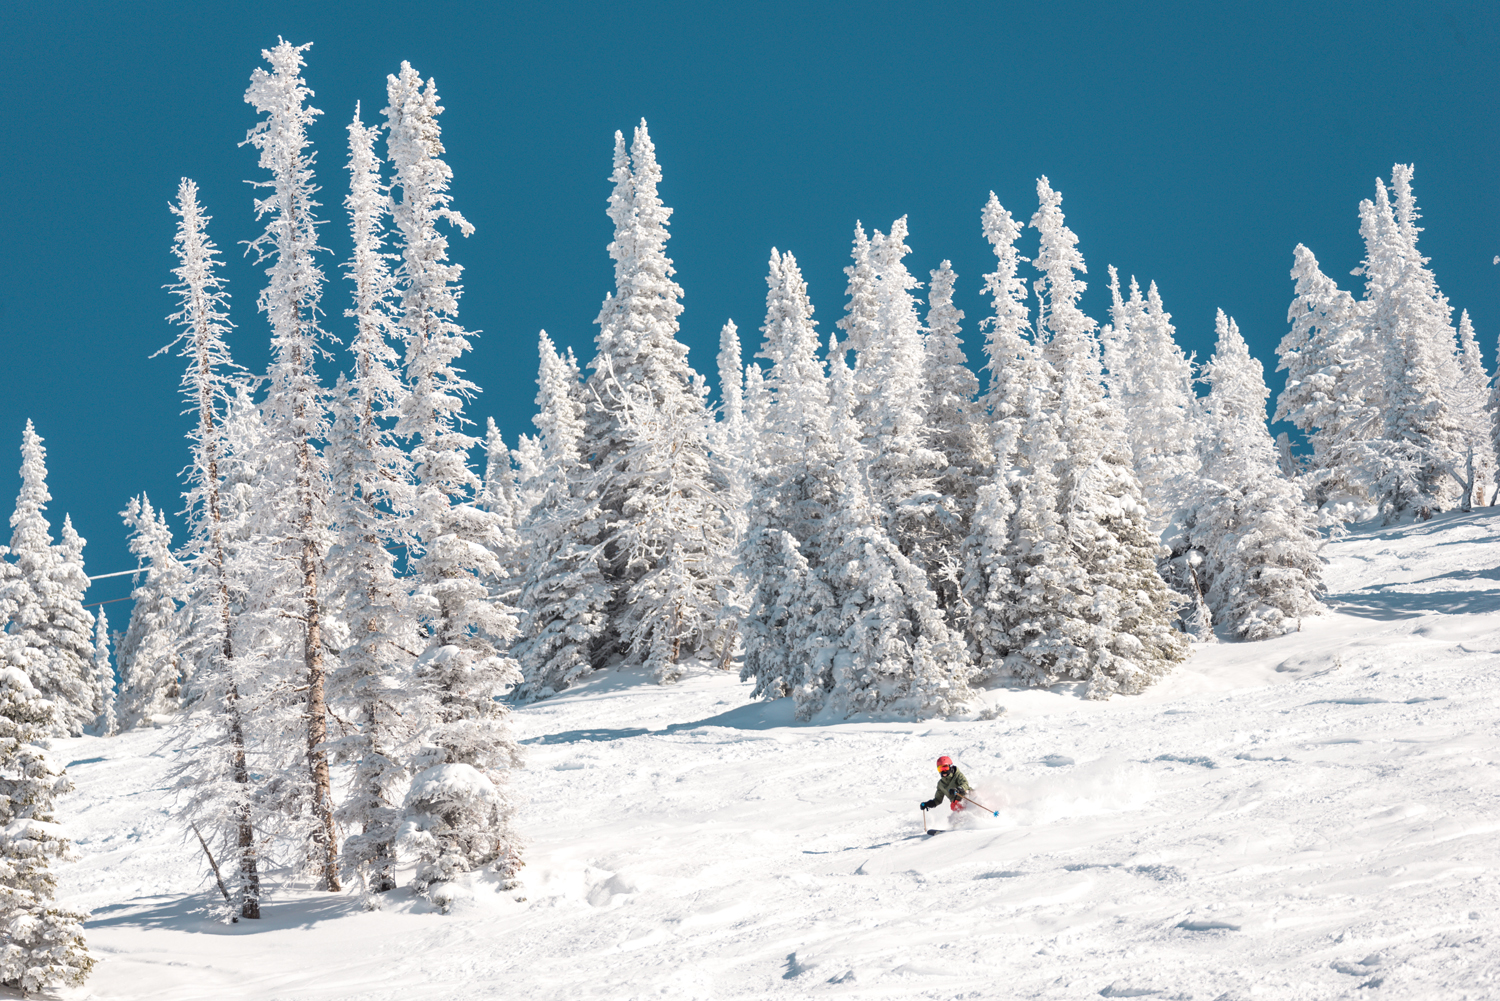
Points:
[[317, 720], [249, 869], [317, 708], [312, 647]]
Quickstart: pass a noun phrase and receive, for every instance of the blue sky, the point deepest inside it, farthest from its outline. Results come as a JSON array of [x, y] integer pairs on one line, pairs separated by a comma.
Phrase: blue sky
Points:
[[1193, 146]]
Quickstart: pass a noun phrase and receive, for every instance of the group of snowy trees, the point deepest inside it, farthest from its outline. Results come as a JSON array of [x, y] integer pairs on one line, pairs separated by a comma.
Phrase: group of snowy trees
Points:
[[340, 600], [1393, 399], [857, 521]]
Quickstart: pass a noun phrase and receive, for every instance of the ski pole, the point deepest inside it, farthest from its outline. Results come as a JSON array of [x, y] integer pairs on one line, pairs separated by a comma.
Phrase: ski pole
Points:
[[993, 813], [924, 821]]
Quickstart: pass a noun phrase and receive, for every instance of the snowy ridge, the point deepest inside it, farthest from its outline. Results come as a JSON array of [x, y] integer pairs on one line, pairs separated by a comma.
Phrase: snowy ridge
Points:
[[1312, 816]]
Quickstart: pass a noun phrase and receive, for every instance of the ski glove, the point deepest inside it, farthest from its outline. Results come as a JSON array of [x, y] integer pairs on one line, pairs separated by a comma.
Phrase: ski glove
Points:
[[931, 804]]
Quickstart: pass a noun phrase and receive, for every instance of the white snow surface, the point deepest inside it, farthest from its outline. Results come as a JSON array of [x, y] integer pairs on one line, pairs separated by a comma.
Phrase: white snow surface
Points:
[[1309, 817]]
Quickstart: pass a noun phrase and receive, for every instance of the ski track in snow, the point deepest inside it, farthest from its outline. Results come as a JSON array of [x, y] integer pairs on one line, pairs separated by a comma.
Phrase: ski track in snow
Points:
[[1309, 817]]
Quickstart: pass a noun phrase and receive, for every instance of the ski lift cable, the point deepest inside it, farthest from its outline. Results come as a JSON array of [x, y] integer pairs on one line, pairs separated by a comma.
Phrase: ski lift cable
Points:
[[120, 573], [109, 602]]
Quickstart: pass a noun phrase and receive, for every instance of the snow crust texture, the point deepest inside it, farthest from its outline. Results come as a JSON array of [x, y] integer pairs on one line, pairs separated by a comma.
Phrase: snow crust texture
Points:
[[1310, 817]]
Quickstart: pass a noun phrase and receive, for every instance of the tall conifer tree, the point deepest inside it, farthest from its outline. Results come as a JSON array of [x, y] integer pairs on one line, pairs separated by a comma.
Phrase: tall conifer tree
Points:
[[1128, 642], [1150, 381], [41, 945], [641, 366], [1261, 565], [564, 596], [369, 504], [220, 763], [295, 519], [48, 619], [148, 655], [790, 489], [458, 803]]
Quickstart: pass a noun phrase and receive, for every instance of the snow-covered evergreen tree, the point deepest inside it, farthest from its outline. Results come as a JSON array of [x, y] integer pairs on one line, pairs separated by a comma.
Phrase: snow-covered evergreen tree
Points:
[[229, 772], [70, 548], [530, 478], [1151, 381], [880, 642], [790, 490], [681, 533], [457, 808], [564, 596], [956, 433], [1127, 640], [989, 578], [734, 445], [1260, 545], [108, 724], [150, 663], [1409, 320], [290, 590], [370, 500], [217, 772], [1470, 398], [891, 397], [639, 364], [1332, 394], [498, 496], [41, 945], [48, 619], [1040, 619], [731, 440]]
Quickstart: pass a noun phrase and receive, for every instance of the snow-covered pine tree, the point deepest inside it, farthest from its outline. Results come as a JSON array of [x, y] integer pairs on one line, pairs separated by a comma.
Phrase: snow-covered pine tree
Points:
[[790, 490], [294, 518], [1260, 546], [988, 576], [1470, 398], [70, 547], [48, 619], [527, 455], [1151, 381], [638, 353], [498, 497], [880, 643], [891, 397], [861, 320], [369, 502], [956, 433], [150, 663], [681, 533], [1128, 607], [108, 724], [731, 434], [1410, 325], [564, 596], [217, 774], [41, 945], [457, 809], [732, 442], [232, 772], [1040, 614], [1333, 390]]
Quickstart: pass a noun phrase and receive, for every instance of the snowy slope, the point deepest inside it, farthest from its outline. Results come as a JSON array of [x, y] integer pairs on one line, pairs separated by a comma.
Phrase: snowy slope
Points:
[[1311, 817]]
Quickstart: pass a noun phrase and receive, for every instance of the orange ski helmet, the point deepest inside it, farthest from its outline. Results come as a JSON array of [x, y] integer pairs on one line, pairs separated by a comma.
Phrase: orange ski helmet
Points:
[[945, 763]]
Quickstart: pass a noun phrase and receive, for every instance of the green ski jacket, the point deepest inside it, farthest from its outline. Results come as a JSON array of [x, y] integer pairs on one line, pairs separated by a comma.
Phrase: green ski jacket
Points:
[[953, 785]]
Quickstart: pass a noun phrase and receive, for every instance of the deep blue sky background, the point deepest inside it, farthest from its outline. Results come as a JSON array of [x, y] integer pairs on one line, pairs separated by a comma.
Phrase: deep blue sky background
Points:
[[1194, 145]]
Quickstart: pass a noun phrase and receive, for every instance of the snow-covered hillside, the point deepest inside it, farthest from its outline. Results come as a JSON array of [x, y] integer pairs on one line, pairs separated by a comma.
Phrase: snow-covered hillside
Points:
[[1310, 817]]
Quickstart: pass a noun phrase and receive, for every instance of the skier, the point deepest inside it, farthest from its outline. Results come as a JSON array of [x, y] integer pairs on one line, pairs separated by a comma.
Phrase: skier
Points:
[[952, 784]]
